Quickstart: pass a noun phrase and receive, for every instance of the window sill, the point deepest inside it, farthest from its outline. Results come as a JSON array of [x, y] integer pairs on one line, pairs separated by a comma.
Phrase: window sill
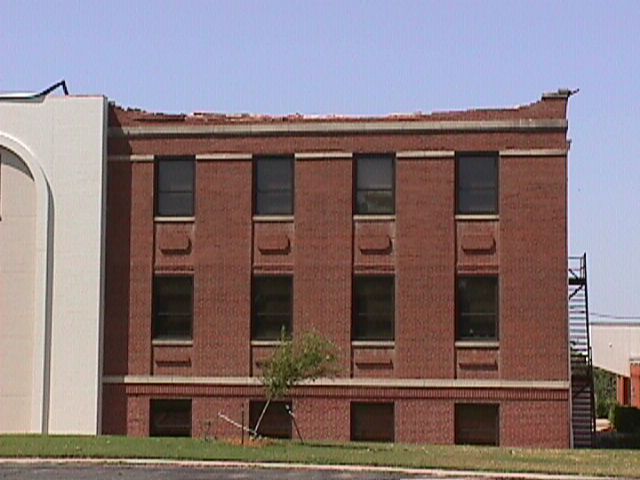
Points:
[[481, 217], [171, 343], [158, 219], [477, 344], [373, 218], [373, 343], [265, 343], [272, 218]]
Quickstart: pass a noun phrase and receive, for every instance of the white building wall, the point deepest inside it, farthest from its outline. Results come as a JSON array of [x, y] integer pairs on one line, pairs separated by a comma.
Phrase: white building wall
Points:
[[62, 140], [614, 344]]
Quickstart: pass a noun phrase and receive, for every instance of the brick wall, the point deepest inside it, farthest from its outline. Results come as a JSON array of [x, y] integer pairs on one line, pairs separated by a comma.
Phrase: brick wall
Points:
[[323, 245]]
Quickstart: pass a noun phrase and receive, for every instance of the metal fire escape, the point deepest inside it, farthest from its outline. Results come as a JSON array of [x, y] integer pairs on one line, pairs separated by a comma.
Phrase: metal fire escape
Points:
[[583, 419]]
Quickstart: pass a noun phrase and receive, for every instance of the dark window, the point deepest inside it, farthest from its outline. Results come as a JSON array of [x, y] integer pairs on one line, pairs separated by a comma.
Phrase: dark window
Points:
[[174, 187], [374, 308], [477, 307], [274, 186], [173, 315], [477, 424], [375, 185], [272, 304], [170, 418], [276, 422], [478, 184], [372, 422]]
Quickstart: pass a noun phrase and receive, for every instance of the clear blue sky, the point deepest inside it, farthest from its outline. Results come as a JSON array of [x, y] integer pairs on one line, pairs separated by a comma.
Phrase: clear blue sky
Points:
[[371, 57]]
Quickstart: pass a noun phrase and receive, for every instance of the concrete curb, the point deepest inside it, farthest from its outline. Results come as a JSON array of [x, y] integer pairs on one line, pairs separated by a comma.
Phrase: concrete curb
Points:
[[441, 473]]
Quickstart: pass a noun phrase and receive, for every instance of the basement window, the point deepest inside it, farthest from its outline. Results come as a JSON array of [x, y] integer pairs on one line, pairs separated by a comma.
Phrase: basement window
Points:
[[477, 184], [175, 182], [372, 422], [374, 308], [477, 424], [272, 307], [276, 422], [375, 180], [477, 308], [173, 308], [274, 185], [170, 418]]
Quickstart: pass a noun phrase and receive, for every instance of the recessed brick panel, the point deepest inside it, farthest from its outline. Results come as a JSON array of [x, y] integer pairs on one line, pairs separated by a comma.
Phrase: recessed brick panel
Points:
[[174, 246], [373, 362], [479, 363], [273, 246], [373, 249], [478, 246]]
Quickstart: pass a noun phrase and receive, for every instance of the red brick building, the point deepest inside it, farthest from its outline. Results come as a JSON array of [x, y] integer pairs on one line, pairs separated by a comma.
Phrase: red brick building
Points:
[[431, 249]]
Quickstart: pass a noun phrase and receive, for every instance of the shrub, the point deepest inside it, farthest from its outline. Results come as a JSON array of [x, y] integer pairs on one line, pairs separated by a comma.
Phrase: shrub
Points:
[[605, 386], [625, 419]]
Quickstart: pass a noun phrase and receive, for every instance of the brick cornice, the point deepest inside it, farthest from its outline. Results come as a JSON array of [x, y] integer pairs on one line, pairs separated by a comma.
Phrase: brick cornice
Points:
[[338, 128]]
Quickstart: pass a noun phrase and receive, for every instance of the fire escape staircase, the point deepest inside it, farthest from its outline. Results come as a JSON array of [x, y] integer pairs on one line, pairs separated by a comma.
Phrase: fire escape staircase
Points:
[[583, 420]]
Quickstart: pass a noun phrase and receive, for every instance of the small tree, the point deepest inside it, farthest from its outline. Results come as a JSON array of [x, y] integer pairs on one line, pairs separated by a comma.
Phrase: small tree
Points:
[[294, 361]]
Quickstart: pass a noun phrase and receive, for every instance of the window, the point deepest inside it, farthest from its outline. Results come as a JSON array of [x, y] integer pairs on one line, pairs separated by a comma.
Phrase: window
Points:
[[477, 308], [374, 308], [372, 422], [173, 314], [477, 424], [170, 418], [276, 422], [174, 187], [274, 186], [477, 184], [272, 305], [375, 185]]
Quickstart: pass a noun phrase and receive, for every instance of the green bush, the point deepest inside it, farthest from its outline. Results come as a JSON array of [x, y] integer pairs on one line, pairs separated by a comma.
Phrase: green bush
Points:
[[605, 386], [625, 419], [618, 440]]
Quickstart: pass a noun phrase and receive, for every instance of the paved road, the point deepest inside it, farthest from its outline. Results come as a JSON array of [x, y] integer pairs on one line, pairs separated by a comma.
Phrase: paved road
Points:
[[43, 470], [104, 472]]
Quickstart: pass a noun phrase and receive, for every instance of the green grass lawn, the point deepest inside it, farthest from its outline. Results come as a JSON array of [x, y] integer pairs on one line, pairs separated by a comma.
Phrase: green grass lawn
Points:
[[624, 463]]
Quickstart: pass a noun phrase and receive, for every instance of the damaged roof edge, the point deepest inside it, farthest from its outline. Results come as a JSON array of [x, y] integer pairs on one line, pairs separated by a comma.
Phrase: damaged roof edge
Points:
[[548, 113]]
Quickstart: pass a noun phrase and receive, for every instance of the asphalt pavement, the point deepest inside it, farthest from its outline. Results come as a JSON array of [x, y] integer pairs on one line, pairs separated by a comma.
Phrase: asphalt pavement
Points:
[[147, 472], [131, 469]]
